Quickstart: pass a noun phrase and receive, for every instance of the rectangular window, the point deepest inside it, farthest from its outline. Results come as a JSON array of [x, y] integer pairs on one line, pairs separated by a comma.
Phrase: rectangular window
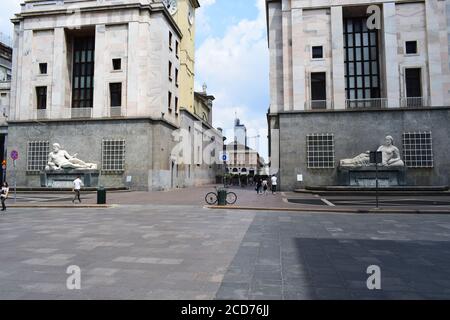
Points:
[[176, 77], [37, 155], [176, 105], [170, 40], [169, 103], [43, 68], [411, 47], [413, 82], [115, 91], [320, 151], [113, 155], [361, 56], [83, 72], [117, 64], [170, 70], [317, 52], [318, 90], [418, 149], [41, 95], [177, 48]]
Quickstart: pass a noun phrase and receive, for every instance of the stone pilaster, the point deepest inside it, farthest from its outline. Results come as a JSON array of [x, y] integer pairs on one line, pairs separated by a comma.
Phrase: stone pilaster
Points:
[[298, 60], [434, 52], [337, 39], [392, 85], [101, 90]]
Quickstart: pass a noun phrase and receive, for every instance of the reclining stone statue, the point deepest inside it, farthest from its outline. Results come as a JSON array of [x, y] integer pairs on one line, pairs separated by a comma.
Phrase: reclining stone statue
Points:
[[391, 156], [60, 159]]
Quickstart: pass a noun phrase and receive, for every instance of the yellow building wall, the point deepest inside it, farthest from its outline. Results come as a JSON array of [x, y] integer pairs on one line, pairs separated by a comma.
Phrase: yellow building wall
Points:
[[186, 54]]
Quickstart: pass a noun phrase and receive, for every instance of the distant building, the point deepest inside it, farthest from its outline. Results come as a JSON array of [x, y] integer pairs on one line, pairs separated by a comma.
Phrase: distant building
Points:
[[244, 161], [5, 91], [240, 133], [203, 105]]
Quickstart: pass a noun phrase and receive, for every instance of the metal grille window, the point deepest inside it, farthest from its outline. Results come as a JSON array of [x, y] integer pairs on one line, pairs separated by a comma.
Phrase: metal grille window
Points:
[[320, 151], [37, 155], [418, 149], [361, 60], [113, 155]]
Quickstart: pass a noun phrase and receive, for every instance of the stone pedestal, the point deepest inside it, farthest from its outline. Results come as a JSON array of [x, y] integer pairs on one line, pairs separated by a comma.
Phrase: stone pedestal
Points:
[[65, 178], [366, 176]]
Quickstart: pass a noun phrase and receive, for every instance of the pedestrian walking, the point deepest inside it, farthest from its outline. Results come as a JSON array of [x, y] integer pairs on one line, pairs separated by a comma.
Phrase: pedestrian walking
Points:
[[265, 186], [258, 186], [274, 184], [77, 184], [4, 194]]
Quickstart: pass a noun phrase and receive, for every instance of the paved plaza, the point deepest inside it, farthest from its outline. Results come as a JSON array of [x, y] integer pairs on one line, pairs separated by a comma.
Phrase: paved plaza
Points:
[[156, 251]]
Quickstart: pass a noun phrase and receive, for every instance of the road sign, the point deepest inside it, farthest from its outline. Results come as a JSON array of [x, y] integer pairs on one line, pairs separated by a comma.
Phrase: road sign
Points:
[[225, 157], [14, 155]]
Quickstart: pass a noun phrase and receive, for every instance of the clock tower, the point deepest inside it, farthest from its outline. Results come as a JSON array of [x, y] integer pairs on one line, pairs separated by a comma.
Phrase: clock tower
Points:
[[183, 12]]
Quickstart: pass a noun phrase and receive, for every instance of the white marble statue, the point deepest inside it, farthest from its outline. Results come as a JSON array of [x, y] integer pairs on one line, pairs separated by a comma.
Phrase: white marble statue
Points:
[[391, 154], [391, 157], [60, 159], [362, 160]]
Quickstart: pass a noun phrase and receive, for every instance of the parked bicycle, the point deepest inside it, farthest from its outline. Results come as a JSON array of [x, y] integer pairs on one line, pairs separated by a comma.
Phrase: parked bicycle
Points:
[[212, 198]]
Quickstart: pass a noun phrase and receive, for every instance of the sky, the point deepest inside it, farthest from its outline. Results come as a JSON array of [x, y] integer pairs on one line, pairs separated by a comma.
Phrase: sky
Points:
[[232, 58]]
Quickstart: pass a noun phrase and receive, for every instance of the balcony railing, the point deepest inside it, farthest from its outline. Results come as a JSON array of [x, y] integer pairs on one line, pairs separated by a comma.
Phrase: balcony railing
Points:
[[414, 102], [115, 112], [318, 104], [77, 113], [378, 103]]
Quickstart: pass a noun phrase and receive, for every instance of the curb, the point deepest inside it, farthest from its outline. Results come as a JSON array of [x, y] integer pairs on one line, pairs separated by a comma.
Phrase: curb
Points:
[[332, 210], [50, 206]]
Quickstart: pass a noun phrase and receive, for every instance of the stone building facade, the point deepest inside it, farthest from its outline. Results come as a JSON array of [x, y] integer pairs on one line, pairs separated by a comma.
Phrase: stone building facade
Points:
[[344, 74], [100, 79], [5, 91]]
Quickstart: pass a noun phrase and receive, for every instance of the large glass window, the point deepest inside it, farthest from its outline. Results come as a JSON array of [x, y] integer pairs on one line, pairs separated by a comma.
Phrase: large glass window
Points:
[[83, 72], [362, 67]]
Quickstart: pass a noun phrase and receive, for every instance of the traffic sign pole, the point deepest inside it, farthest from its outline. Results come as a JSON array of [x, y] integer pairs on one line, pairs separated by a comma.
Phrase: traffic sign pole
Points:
[[15, 181], [14, 157]]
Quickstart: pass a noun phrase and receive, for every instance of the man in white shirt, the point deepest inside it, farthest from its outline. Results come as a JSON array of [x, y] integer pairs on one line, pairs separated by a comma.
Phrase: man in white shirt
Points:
[[274, 181], [77, 184]]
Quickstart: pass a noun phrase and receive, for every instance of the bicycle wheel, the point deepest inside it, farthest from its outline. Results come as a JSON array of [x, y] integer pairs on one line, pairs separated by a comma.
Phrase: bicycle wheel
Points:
[[231, 198], [211, 198]]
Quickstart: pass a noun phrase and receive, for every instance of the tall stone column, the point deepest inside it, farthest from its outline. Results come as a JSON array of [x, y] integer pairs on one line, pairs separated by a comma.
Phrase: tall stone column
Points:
[[298, 60], [392, 84], [287, 55], [57, 107], [432, 13], [337, 35], [133, 69], [100, 87], [27, 101]]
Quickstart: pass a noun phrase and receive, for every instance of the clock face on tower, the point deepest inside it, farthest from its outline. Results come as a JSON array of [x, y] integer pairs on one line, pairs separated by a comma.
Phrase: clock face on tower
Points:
[[171, 5]]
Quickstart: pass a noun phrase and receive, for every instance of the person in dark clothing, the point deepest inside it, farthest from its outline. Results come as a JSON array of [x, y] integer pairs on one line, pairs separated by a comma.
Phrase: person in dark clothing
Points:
[[258, 186], [4, 194]]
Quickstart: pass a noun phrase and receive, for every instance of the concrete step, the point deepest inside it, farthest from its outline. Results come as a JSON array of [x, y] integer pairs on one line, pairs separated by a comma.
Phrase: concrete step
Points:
[[399, 191]]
